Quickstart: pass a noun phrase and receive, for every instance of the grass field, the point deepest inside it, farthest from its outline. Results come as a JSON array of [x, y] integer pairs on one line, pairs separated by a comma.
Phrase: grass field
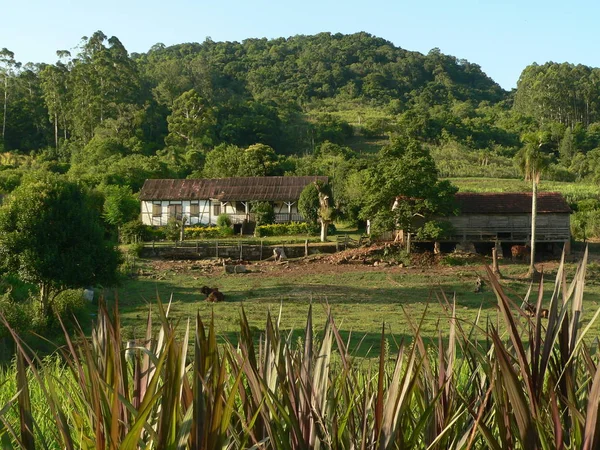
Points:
[[573, 192], [362, 298]]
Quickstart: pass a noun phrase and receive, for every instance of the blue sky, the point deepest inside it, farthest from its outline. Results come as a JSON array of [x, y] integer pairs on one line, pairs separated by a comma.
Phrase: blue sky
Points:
[[503, 37]]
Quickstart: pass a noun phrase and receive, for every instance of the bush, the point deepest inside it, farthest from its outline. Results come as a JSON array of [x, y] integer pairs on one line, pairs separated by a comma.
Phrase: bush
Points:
[[68, 304], [283, 229], [173, 229], [223, 221], [263, 212], [207, 232], [555, 172], [154, 233], [435, 229], [19, 315], [134, 250], [585, 224], [134, 231]]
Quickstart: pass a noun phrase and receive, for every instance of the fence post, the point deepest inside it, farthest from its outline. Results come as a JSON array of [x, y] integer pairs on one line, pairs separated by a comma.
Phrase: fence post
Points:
[[197, 247], [241, 251], [216, 249], [345, 242], [261, 250], [306, 247], [337, 244]]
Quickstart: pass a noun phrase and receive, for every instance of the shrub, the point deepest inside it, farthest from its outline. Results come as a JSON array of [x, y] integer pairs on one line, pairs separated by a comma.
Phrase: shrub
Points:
[[19, 315], [68, 304], [173, 229], [435, 229], [223, 221], [585, 224], [202, 232], [263, 212], [134, 231], [199, 232], [154, 233], [283, 229], [134, 250]]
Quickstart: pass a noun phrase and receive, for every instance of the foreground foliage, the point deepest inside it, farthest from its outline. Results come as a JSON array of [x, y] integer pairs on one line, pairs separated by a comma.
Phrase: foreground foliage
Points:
[[531, 382]]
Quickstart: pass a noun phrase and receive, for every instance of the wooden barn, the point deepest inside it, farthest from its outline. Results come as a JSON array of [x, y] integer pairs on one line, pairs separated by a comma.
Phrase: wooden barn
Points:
[[201, 201], [486, 218]]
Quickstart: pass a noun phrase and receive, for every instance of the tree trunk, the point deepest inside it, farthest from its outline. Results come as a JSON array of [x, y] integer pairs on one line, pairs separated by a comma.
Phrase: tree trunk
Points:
[[324, 226], [56, 130], [44, 297], [5, 104], [495, 268], [533, 220]]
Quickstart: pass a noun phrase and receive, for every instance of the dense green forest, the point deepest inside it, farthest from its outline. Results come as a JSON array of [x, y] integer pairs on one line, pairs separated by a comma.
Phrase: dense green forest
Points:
[[323, 104]]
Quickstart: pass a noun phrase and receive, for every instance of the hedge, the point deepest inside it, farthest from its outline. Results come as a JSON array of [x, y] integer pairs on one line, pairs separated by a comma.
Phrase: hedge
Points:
[[284, 229], [207, 232]]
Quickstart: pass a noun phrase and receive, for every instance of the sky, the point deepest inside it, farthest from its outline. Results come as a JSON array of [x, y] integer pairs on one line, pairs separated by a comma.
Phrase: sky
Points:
[[503, 37]]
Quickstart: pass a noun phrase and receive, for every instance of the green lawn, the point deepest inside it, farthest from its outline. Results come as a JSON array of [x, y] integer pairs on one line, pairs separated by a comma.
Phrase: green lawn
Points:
[[362, 298]]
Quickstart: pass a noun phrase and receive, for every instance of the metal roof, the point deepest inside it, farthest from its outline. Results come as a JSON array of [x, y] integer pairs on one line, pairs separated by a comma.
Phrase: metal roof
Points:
[[228, 189]]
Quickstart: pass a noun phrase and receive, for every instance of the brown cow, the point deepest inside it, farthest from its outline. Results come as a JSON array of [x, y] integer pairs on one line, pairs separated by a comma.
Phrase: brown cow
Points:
[[531, 311], [520, 252], [212, 294]]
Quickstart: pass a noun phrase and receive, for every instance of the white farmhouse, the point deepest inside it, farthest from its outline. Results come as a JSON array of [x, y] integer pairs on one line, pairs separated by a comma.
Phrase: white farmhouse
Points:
[[201, 201]]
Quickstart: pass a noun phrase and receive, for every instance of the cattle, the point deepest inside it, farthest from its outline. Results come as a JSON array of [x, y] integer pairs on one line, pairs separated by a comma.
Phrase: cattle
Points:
[[531, 311], [212, 294], [520, 252]]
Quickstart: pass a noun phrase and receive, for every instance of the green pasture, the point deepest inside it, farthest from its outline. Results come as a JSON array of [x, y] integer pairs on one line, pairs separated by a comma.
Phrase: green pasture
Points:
[[362, 301], [573, 192]]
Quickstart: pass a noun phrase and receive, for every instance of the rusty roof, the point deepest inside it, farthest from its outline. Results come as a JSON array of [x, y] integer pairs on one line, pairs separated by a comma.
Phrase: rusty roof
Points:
[[510, 203], [228, 189]]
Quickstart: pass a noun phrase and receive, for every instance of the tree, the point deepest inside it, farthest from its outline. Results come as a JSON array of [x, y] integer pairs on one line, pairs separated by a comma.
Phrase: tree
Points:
[[406, 172], [120, 205], [191, 123], [308, 204], [8, 66], [264, 213], [532, 161], [52, 236], [258, 160], [54, 88], [315, 206]]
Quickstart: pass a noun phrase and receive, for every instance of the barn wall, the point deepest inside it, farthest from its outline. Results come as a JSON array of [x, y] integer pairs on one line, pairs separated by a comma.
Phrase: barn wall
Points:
[[515, 227]]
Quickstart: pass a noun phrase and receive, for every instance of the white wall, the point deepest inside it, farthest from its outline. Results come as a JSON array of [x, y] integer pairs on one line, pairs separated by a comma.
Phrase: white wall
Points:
[[204, 217], [206, 207]]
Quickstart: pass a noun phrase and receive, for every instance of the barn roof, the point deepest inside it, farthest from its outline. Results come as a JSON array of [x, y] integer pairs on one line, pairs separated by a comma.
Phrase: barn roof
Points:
[[228, 189], [510, 203]]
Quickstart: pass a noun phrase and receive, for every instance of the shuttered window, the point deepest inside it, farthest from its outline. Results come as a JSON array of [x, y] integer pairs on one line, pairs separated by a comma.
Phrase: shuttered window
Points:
[[194, 210], [217, 210], [175, 211], [156, 210]]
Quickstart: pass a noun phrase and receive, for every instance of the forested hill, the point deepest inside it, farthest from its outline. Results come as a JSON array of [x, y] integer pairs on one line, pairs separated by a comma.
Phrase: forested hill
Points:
[[304, 105], [302, 69], [257, 91]]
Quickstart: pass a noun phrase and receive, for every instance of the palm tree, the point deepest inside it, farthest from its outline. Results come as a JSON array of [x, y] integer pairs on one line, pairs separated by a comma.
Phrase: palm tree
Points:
[[532, 161]]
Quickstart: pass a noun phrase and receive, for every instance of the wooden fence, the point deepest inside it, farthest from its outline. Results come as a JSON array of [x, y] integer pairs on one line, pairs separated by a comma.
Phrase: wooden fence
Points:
[[243, 249]]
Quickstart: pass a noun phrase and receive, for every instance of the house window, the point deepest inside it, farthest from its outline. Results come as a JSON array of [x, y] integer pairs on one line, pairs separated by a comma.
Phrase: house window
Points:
[[217, 209], [156, 210], [194, 210], [240, 208], [175, 211]]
